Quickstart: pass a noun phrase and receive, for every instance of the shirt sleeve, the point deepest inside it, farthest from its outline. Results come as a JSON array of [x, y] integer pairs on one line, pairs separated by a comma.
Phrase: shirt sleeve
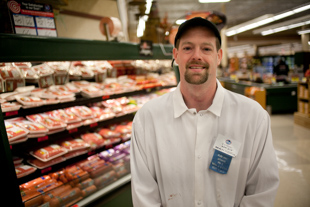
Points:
[[144, 187], [263, 177]]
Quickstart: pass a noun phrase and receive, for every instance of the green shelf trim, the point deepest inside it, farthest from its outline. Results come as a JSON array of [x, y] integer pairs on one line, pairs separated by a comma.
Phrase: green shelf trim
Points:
[[24, 48]]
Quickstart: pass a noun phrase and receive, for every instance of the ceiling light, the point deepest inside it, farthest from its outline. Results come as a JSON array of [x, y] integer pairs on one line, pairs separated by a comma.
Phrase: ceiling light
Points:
[[212, 1], [268, 18], [180, 21], [304, 31], [293, 23], [283, 28]]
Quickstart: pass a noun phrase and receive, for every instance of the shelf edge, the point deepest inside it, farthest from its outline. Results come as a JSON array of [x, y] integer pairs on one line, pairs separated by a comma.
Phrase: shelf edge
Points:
[[104, 191]]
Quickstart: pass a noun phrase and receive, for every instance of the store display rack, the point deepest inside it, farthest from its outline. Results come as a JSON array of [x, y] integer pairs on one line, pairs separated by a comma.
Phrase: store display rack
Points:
[[275, 94], [22, 48], [302, 116]]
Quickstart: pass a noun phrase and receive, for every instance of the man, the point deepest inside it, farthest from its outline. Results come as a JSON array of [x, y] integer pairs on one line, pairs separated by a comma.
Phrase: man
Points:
[[202, 145], [281, 71]]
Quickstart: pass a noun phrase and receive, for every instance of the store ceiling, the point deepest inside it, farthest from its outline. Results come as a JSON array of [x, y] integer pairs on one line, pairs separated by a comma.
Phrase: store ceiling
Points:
[[237, 12]]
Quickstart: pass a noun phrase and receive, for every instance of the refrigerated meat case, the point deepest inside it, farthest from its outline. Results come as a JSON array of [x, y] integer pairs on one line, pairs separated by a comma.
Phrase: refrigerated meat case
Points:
[[22, 48]]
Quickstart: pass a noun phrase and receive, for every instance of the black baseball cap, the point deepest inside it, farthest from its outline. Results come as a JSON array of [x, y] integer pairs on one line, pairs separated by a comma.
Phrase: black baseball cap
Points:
[[194, 22]]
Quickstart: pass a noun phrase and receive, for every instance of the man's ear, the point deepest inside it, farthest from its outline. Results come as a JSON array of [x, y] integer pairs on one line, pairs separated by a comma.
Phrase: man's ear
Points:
[[219, 56], [175, 54]]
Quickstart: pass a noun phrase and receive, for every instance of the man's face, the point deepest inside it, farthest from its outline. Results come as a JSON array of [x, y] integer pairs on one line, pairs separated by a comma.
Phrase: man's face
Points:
[[197, 56]]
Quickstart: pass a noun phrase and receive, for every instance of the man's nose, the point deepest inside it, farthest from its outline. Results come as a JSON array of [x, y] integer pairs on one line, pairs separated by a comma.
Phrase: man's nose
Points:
[[197, 54]]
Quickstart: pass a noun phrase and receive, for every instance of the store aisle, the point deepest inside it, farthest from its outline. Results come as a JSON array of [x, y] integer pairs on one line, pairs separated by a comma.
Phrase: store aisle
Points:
[[292, 145]]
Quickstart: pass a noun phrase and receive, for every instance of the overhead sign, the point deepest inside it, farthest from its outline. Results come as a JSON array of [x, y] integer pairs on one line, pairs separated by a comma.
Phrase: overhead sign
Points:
[[32, 18]]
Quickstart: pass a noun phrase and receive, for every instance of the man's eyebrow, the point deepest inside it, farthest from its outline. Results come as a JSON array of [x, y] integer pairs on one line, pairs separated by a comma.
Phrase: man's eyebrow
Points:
[[190, 43]]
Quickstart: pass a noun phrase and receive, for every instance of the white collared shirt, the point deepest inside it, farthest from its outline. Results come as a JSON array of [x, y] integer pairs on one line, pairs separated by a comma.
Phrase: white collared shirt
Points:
[[172, 147]]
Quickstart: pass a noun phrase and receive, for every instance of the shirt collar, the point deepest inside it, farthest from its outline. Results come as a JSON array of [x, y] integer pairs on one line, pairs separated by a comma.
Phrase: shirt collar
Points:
[[216, 107]]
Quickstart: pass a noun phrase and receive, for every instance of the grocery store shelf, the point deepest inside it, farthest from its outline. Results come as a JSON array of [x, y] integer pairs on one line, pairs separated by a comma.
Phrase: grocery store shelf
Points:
[[23, 48], [104, 191], [79, 101]]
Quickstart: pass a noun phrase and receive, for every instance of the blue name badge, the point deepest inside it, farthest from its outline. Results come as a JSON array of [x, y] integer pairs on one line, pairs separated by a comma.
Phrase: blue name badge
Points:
[[220, 162]]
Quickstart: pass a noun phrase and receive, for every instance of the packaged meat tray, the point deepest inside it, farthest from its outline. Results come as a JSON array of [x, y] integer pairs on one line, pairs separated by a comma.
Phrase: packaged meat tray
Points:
[[74, 125], [111, 155], [49, 152], [7, 106], [17, 160], [108, 133], [91, 92], [29, 100], [74, 144], [35, 129], [102, 113], [41, 165], [47, 121], [124, 128], [95, 140], [19, 140], [75, 153], [23, 170], [14, 132], [63, 115], [9, 72], [81, 111], [68, 87], [51, 94]]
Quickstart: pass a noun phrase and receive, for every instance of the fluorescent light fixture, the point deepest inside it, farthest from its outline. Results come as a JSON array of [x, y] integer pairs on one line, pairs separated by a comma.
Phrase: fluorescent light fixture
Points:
[[265, 19], [143, 19], [283, 28], [301, 9], [141, 25], [304, 31], [148, 6], [213, 1], [180, 21]]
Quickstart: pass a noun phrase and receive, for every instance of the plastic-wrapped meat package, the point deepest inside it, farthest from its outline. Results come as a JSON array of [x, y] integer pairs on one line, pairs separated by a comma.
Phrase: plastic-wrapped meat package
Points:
[[30, 100], [68, 87], [115, 106], [35, 129], [102, 113], [91, 92], [7, 106], [41, 164], [60, 95], [15, 134], [114, 87], [65, 116], [42, 69], [108, 133], [51, 123], [111, 155], [74, 144], [12, 78], [17, 160], [110, 136], [49, 152], [95, 140], [124, 147], [95, 166], [81, 111], [23, 170]]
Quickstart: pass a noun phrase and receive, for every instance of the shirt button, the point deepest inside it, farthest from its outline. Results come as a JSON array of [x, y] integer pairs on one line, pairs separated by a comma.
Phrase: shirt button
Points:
[[194, 113], [199, 203], [201, 114], [199, 156]]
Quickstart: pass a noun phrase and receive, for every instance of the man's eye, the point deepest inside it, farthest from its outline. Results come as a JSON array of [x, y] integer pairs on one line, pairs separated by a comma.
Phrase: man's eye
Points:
[[206, 49], [186, 48]]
